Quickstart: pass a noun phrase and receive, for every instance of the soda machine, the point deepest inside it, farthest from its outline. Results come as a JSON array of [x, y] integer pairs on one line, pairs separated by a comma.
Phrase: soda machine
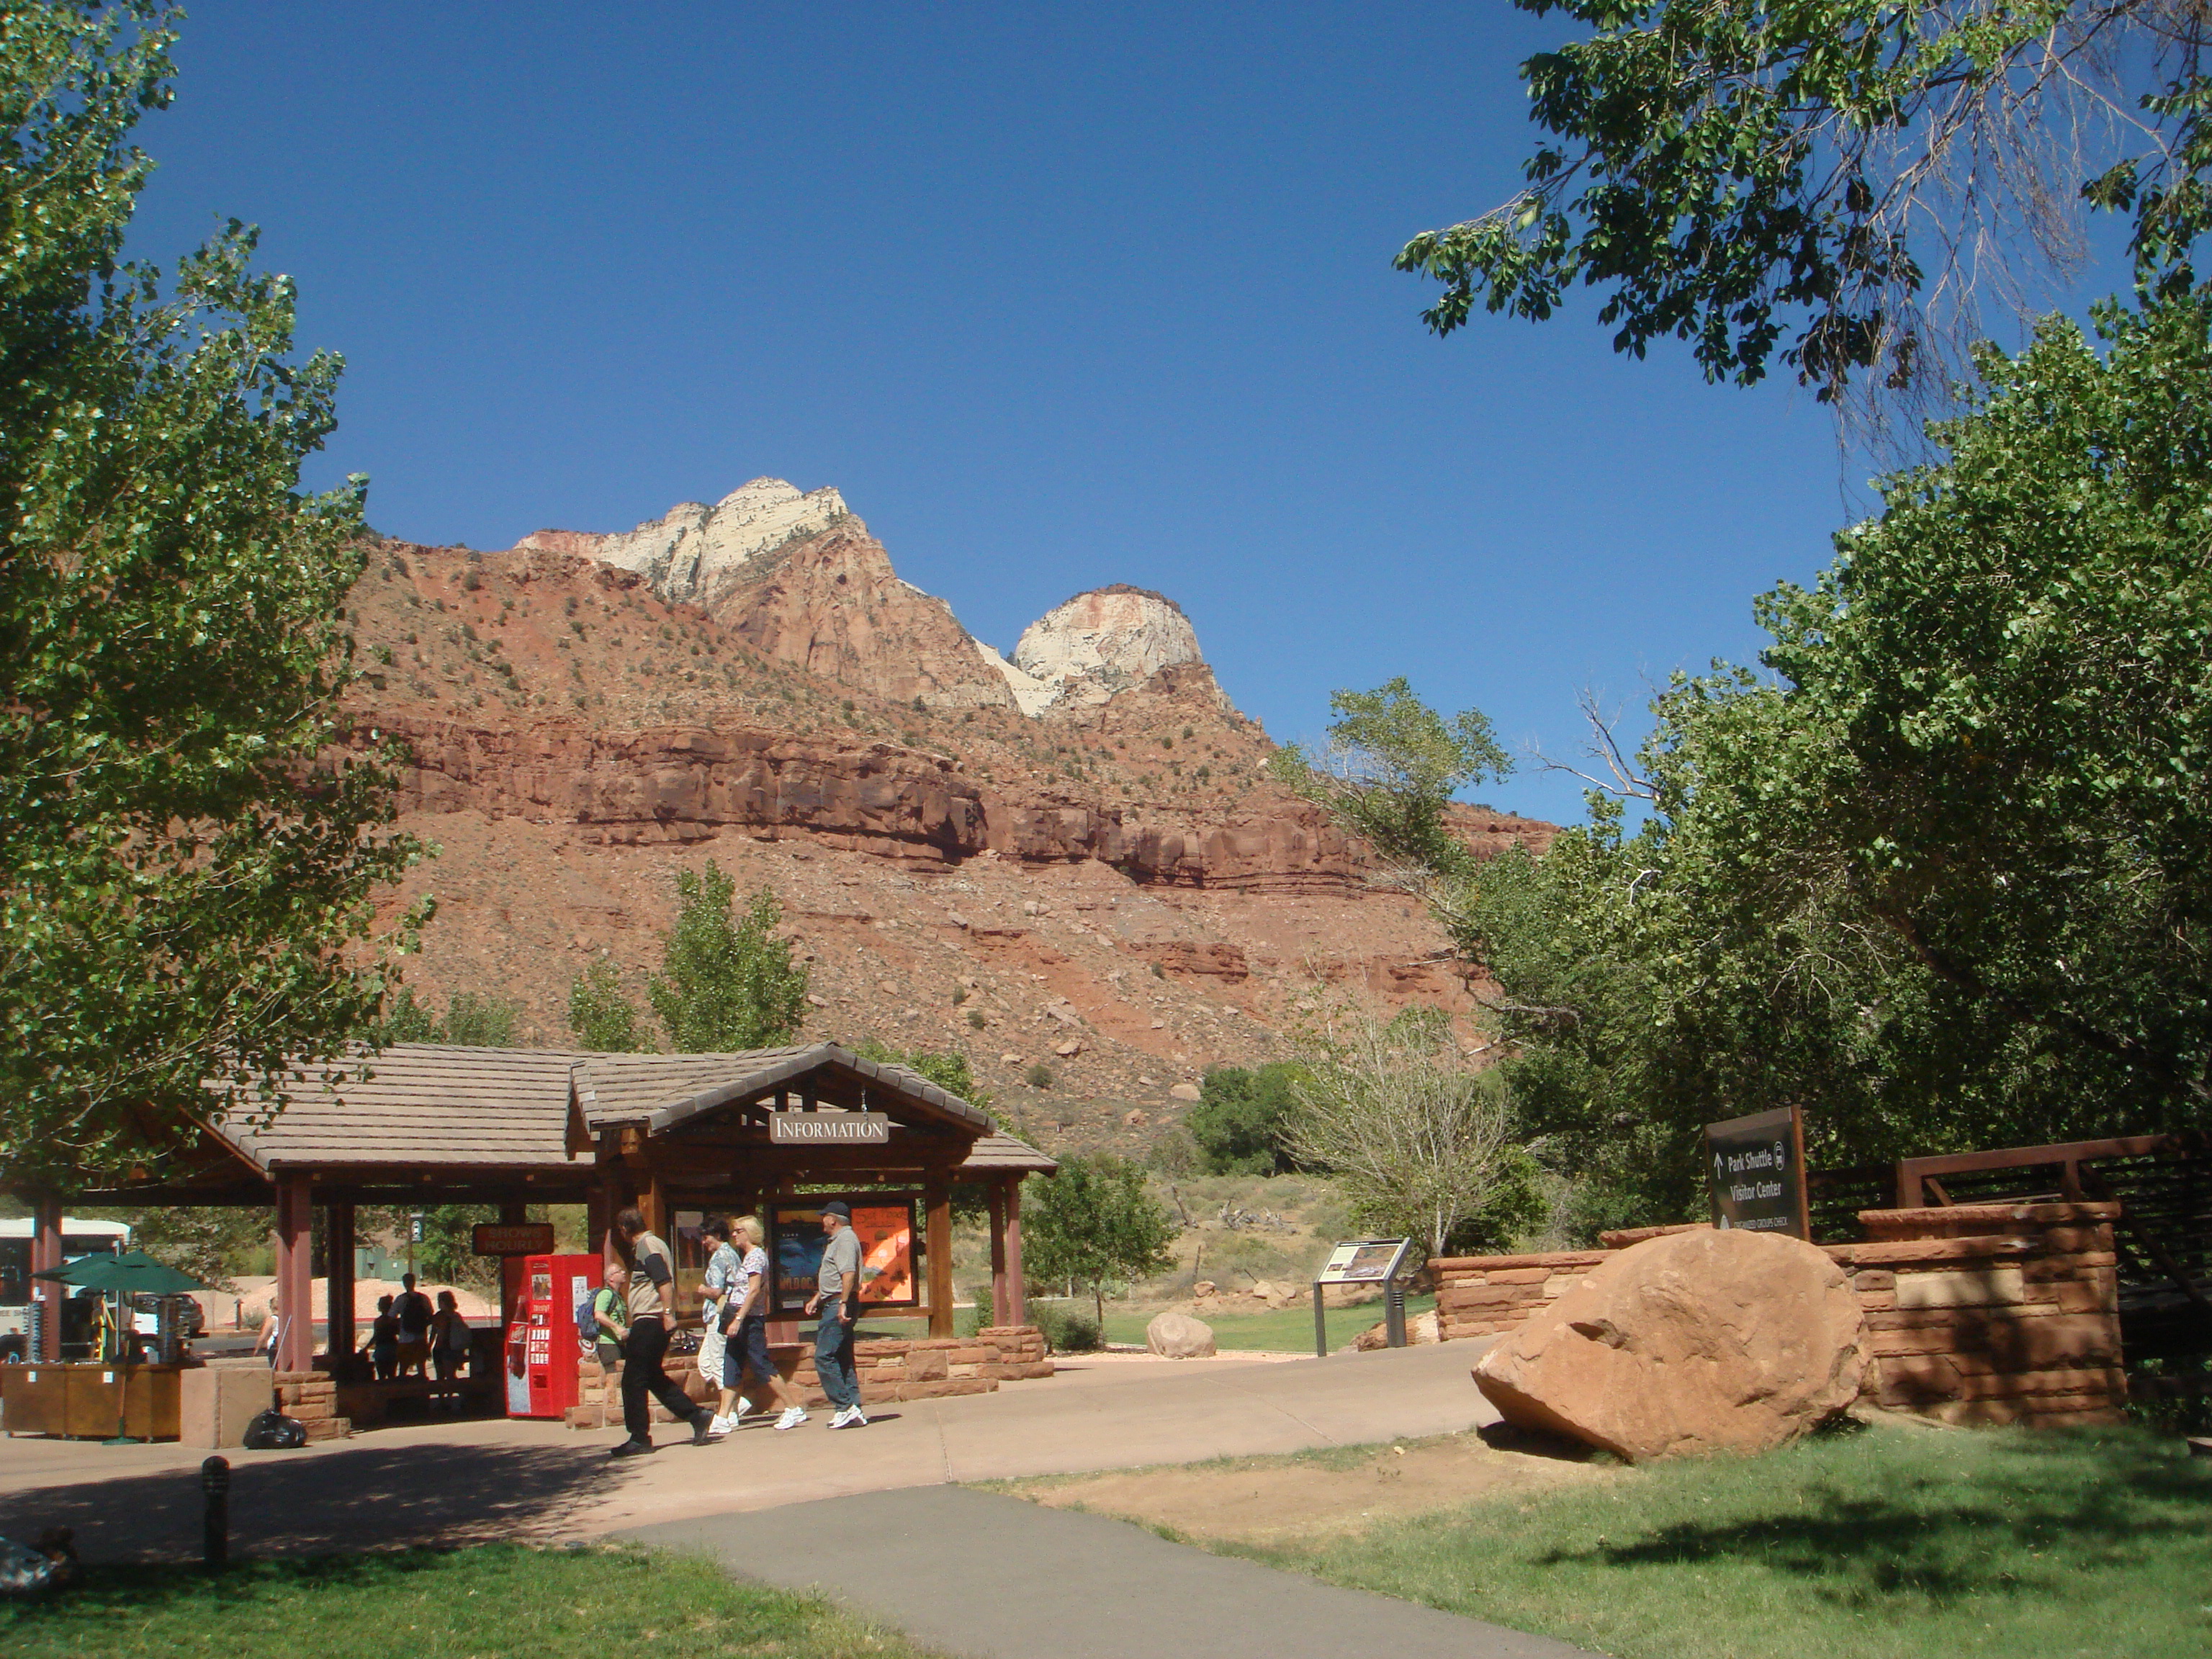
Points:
[[542, 1342]]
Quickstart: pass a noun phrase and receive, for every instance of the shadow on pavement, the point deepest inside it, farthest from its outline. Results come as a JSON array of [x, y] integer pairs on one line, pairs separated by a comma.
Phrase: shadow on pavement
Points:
[[372, 1498]]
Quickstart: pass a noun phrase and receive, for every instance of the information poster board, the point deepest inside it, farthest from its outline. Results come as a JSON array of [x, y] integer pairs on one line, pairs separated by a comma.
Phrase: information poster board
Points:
[[1363, 1261], [884, 1225], [1757, 1168]]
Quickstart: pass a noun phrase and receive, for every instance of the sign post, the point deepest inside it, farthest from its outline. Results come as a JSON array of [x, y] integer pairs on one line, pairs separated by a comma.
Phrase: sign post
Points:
[[1756, 1168], [1365, 1262]]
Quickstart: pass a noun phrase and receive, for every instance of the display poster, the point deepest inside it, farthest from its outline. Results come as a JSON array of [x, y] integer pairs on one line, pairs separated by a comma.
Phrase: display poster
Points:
[[1363, 1261], [884, 1224], [1757, 1168]]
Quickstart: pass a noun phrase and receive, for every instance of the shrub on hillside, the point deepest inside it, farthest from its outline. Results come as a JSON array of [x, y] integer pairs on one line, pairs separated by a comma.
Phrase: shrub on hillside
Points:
[[1239, 1121], [1066, 1331]]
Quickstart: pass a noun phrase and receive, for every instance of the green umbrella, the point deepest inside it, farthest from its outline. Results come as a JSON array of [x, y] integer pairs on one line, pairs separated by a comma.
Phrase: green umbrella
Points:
[[132, 1272]]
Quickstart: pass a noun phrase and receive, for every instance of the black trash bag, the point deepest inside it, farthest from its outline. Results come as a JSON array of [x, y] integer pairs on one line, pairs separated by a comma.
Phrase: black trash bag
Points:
[[274, 1432]]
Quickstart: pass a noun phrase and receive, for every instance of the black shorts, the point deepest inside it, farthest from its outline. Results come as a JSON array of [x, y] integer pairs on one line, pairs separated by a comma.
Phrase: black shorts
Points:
[[746, 1349]]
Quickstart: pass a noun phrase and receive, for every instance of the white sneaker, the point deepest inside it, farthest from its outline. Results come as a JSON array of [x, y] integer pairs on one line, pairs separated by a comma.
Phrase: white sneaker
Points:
[[720, 1426], [738, 1411], [792, 1418], [851, 1418]]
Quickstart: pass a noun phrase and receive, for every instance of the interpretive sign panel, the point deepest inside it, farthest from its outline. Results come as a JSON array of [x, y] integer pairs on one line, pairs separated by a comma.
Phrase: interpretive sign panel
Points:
[[1757, 1169], [829, 1129], [1363, 1261], [512, 1238], [884, 1225]]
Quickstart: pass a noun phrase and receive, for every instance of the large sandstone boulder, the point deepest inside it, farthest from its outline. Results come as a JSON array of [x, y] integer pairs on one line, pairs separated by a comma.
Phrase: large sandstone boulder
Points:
[[1700, 1341], [1178, 1336]]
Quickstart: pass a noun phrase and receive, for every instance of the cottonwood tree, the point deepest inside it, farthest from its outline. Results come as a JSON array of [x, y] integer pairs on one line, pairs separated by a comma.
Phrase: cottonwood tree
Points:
[[604, 1019], [185, 884], [1420, 1142], [1094, 1224], [1854, 187], [727, 982]]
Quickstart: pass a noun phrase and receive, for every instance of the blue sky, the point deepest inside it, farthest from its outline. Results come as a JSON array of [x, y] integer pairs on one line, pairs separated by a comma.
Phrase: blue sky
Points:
[[1057, 297]]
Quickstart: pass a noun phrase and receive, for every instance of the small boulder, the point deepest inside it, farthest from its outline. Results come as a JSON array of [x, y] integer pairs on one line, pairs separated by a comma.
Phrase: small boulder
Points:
[[1178, 1336], [1699, 1341], [1420, 1329], [1185, 1091]]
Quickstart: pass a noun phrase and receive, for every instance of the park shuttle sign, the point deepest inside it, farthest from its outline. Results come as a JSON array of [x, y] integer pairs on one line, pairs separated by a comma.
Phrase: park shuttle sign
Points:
[[1757, 1168]]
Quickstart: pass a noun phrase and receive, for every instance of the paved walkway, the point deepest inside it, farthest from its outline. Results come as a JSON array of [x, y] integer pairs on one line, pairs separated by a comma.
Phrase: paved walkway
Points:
[[994, 1578], [465, 1482]]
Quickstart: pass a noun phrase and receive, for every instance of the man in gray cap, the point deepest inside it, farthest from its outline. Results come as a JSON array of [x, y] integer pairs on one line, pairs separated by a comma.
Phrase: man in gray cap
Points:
[[836, 1301]]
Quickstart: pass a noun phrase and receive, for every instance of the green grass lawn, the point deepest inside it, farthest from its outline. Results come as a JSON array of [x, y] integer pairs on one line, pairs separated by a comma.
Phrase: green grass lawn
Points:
[[1288, 1332], [499, 1602], [1895, 1543]]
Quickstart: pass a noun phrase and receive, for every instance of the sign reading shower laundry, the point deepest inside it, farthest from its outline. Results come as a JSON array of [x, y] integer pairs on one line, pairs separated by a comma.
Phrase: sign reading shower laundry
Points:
[[829, 1129], [1757, 1168]]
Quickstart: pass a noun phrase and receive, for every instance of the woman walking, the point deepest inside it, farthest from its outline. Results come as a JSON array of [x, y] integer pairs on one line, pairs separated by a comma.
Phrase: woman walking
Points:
[[744, 1320], [652, 1271]]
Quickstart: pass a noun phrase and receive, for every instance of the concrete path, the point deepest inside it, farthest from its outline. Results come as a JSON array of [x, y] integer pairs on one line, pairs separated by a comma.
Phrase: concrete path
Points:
[[993, 1578], [464, 1482]]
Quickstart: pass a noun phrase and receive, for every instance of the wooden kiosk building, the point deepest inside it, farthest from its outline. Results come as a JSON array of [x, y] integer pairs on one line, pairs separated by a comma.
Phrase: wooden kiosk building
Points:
[[424, 1124]]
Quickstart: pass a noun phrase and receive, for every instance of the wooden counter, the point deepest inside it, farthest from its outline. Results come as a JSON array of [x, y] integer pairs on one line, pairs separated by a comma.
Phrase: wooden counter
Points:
[[90, 1401]]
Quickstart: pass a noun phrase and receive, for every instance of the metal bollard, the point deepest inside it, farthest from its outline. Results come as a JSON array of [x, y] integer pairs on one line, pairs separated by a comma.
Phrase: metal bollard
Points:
[[214, 1535]]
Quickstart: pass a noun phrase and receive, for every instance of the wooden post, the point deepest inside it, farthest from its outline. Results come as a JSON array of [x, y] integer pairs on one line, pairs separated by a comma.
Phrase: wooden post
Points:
[[1017, 1298], [45, 1256], [337, 1246], [936, 1195], [997, 1202], [295, 1281]]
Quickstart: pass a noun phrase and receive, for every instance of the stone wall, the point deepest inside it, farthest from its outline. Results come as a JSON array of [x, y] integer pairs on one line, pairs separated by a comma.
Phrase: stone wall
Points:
[[1993, 1313], [1978, 1313], [889, 1368], [312, 1397]]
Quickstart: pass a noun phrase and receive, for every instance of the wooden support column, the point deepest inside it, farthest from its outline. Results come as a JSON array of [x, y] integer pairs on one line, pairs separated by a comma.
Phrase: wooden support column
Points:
[[998, 1203], [337, 1247], [653, 1201], [1017, 1298], [47, 1295], [296, 1280], [514, 1213], [936, 1195]]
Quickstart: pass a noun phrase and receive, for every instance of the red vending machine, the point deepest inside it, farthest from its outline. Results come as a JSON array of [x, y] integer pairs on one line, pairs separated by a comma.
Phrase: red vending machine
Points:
[[542, 1345]]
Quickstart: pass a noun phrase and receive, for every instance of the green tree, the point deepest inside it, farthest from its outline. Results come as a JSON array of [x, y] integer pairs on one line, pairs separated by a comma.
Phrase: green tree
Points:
[[947, 1068], [185, 885], [211, 1244], [1422, 1145], [1852, 184], [603, 1018], [1093, 1223], [1241, 1118], [470, 1021], [728, 983], [1938, 872]]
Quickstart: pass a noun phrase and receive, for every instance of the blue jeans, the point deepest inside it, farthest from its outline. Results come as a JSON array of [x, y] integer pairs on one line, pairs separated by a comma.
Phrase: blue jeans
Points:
[[833, 1355]]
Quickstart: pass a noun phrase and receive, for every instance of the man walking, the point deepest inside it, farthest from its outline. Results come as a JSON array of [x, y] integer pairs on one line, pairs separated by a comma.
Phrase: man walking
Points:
[[651, 1273], [836, 1301], [414, 1312]]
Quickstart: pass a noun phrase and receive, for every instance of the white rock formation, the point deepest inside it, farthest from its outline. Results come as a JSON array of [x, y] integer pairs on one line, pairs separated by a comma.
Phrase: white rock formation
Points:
[[1101, 642], [696, 553]]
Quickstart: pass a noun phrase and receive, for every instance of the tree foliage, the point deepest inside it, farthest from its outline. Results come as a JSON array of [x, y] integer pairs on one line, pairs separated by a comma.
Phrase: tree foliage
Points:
[[948, 1068], [184, 891], [1938, 873], [469, 1022], [1093, 1224], [1390, 769], [604, 1019], [1422, 1145], [727, 982], [1242, 1119], [1847, 183]]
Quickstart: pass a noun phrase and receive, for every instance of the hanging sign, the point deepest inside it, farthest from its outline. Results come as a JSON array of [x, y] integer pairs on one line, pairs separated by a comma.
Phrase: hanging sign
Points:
[[512, 1238], [1756, 1165], [829, 1129]]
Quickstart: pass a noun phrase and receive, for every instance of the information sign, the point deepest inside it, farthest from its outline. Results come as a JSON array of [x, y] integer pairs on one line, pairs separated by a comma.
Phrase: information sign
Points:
[[1756, 1167], [829, 1129], [1363, 1261], [512, 1238], [883, 1223]]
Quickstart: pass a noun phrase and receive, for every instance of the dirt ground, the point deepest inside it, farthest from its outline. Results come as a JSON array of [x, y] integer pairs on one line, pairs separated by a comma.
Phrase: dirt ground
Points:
[[1311, 1495]]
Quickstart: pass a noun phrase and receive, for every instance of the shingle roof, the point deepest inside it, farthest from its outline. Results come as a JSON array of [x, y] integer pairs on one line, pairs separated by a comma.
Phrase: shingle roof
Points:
[[426, 1105], [1001, 1153], [662, 1090], [422, 1104]]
